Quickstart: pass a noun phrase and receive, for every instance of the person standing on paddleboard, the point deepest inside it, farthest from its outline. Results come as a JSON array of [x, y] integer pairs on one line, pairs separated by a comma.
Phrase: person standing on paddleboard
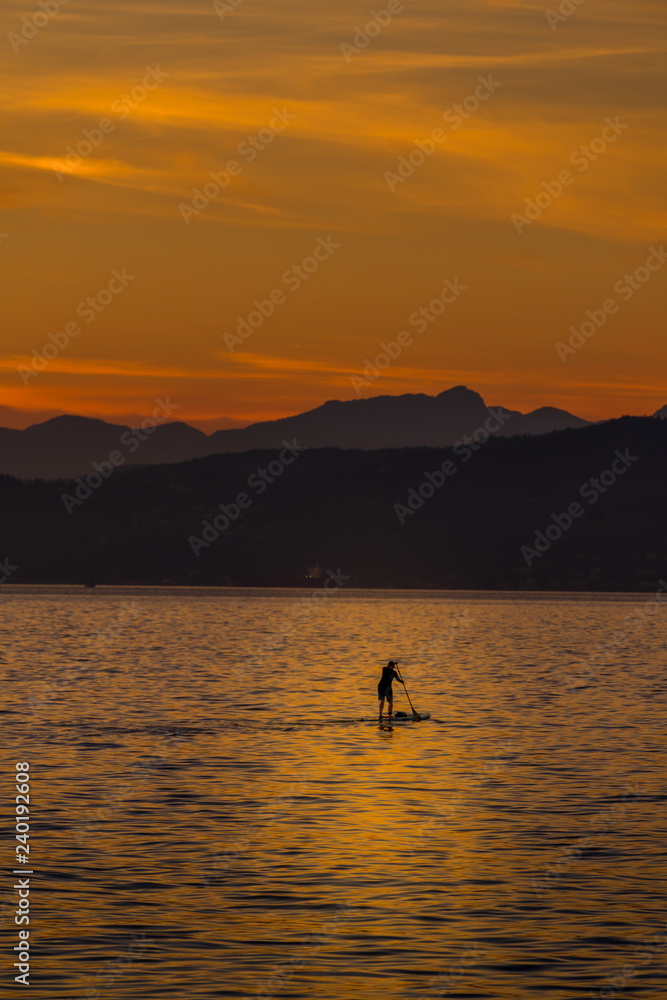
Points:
[[384, 687]]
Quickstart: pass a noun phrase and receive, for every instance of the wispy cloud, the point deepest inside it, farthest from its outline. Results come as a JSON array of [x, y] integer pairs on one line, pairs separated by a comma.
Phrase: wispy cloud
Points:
[[326, 173]]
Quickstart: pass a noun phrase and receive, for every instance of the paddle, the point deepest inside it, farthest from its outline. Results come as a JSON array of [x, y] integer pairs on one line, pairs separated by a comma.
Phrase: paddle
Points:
[[416, 717]]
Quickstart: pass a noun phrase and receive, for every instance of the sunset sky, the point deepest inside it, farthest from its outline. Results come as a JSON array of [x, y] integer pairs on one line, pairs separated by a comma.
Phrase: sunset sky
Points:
[[201, 81]]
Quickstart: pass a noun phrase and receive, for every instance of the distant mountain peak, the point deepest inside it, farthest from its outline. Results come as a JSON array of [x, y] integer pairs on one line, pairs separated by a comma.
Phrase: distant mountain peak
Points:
[[66, 446], [460, 391], [65, 420]]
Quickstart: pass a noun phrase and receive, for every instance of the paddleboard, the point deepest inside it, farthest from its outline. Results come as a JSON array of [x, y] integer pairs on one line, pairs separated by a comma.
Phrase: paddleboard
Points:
[[398, 717]]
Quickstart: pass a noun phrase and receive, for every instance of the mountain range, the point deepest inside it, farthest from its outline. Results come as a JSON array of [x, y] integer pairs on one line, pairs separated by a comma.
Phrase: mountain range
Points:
[[579, 509], [68, 446]]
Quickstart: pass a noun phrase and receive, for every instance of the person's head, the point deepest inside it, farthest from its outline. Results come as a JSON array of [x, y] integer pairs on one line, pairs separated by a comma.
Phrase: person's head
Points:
[[392, 664]]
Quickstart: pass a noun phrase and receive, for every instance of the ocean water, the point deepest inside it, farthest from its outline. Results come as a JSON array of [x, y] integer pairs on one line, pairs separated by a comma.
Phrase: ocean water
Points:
[[210, 816]]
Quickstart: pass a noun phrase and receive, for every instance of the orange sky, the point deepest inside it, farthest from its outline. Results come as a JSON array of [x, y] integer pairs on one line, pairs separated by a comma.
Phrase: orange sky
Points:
[[200, 84]]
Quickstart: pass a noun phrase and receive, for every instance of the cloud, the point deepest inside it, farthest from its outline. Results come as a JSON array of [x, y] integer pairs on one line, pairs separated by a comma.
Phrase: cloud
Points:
[[325, 173]]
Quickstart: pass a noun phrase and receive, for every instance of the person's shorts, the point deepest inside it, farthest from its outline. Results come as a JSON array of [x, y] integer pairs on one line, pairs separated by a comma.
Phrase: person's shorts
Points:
[[387, 693]]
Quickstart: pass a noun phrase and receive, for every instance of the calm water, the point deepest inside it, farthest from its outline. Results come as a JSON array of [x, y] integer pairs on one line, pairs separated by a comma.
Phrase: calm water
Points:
[[211, 819]]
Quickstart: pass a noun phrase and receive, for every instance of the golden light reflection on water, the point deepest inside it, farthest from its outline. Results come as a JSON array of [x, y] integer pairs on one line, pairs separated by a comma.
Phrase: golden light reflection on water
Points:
[[211, 818]]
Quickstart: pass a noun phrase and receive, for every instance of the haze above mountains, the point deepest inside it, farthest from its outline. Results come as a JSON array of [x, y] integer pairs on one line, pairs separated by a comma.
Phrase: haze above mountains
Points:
[[66, 447]]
